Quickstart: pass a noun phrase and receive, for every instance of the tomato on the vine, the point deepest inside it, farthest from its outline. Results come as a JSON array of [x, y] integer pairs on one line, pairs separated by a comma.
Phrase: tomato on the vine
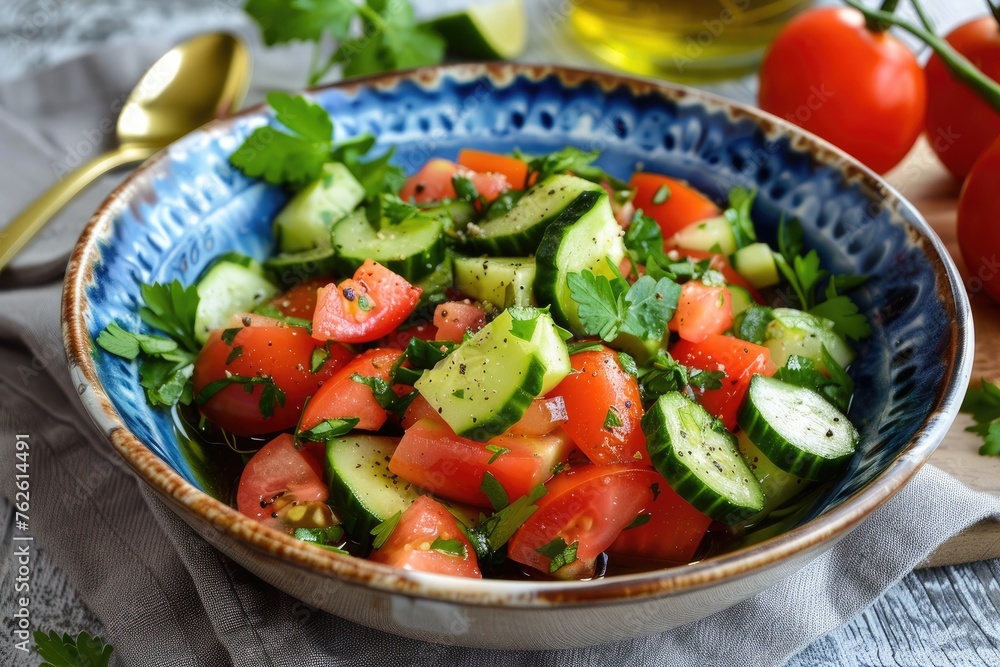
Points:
[[860, 89], [978, 232], [960, 124]]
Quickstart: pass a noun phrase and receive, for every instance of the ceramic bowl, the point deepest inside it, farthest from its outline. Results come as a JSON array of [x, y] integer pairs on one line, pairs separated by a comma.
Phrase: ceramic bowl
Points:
[[187, 205]]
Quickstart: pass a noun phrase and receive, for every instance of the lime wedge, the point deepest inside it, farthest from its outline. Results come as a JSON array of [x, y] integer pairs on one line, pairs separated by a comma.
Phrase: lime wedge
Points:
[[489, 31]]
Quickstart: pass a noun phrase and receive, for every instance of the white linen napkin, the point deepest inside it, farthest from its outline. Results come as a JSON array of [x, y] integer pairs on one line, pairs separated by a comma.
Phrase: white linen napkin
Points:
[[167, 598]]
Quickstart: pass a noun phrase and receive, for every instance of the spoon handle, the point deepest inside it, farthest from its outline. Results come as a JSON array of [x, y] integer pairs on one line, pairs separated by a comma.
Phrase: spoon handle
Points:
[[24, 227]]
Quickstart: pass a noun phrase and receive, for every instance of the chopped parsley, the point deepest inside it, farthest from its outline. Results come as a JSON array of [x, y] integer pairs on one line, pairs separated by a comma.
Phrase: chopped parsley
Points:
[[270, 397], [983, 403], [328, 430], [449, 547], [381, 532], [494, 491], [64, 650], [559, 553]]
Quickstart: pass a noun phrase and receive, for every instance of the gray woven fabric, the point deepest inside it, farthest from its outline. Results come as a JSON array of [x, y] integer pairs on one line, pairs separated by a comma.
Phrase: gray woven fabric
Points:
[[166, 598]]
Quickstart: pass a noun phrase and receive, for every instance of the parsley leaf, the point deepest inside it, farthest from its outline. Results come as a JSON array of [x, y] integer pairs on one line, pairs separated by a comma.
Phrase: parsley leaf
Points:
[[391, 40], [609, 307], [384, 394], [328, 429], [382, 531], [751, 324], [640, 520], [644, 241], [64, 650], [166, 382], [494, 491], [602, 307], [171, 308], [128, 345], [983, 403], [498, 451], [738, 216], [649, 306], [843, 312], [836, 389], [272, 311], [611, 419], [328, 537], [665, 374], [492, 532], [577, 161], [282, 21], [449, 547], [705, 379], [270, 396], [387, 209], [559, 553]]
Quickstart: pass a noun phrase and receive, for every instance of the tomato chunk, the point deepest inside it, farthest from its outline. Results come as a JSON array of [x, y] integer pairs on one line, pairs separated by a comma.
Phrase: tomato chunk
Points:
[[300, 301], [341, 397], [454, 318], [721, 264], [410, 546], [702, 310], [431, 456], [603, 408], [738, 359], [589, 506], [543, 416], [281, 354], [364, 308], [276, 479], [434, 182], [516, 171], [679, 204], [672, 533]]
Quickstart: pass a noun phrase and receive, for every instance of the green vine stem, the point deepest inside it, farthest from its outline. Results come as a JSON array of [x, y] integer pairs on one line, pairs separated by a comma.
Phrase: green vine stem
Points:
[[924, 19], [878, 25], [959, 65], [995, 10]]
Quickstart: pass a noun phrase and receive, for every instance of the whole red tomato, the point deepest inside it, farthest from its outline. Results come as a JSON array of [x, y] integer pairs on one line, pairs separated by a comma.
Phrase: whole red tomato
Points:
[[860, 90], [978, 231], [960, 124]]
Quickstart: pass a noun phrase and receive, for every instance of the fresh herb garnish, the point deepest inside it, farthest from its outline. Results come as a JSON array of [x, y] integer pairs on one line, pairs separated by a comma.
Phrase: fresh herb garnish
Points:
[[381, 532], [449, 547], [272, 311], [64, 650], [494, 491], [836, 388], [328, 430], [328, 537], [387, 209], [705, 379], [584, 346], [559, 553], [319, 357], [661, 195], [664, 374], [465, 189], [751, 325], [738, 216], [171, 308], [234, 354], [640, 520], [493, 532], [270, 396], [644, 241], [166, 369], [983, 403], [497, 451], [502, 204], [572, 159], [611, 419], [384, 394]]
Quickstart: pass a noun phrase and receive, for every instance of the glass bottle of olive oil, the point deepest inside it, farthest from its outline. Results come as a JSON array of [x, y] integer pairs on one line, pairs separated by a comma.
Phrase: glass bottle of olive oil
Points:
[[683, 40]]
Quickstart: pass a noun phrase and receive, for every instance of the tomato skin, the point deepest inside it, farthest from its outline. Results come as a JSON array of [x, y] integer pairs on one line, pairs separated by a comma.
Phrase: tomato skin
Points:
[[589, 504], [300, 301], [721, 264], [408, 546], [978, 231], [431, 456], [516, 171], [342, 397], [860, 90], [596, 385], [278, 472], [454, 318], [434, 182], [960, 124], [340, 316], [282, 353], [683, 206], [738, 359], [672, 535], [702, 310]]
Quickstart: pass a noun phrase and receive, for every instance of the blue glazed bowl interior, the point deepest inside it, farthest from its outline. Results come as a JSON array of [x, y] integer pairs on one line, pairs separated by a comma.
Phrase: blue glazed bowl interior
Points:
[[193, 206]]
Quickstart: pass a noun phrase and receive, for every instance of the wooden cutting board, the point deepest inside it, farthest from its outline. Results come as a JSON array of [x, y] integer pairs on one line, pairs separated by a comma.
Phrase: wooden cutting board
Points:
[[926, 183]]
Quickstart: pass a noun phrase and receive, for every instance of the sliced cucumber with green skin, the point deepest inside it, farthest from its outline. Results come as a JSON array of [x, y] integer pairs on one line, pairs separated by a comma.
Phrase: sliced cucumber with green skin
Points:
[[363, 492], [755, 262], [740, 298], [777, 485], [713, 234], [413, 248], [439, 280], [501, 281], [583, 237], [798, 332], [305, 221], [454, 215], [551, 346], [699, 458], [291, 268], [797, 429], [520, 230], [485, 386], [229, 287], [487, 31]]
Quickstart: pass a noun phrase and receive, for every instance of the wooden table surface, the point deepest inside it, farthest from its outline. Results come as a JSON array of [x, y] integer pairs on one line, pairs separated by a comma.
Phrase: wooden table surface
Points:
[[925, 182]]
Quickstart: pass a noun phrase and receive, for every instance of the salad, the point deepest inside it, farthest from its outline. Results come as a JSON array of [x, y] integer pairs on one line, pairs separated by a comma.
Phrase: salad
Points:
[[506, 365]]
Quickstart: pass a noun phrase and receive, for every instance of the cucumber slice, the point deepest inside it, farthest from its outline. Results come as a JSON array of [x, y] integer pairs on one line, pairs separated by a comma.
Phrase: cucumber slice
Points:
[[454, 215], [501, 281], [582, 237], [519, 231], [226, 288], [777, 485], [290, 268], [755, 262], [797, 429], [484, 386], [798, 332], [713, 234], [439, 280], [413, 248], [699, 458], [551, 346], [363, 492], [305, 221], [740, 298], [489, 31]]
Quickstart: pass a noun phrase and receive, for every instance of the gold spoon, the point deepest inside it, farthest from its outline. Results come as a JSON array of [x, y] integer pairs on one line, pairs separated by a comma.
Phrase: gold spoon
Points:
[[203, 78]]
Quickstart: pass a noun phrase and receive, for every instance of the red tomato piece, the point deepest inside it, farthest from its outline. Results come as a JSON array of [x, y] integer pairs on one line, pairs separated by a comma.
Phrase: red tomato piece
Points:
[[859, 89], [434, 182], [281, 353], [454, 318], [400, 338], [543, 416], [300, 301], [342, 397], [274, 478], [431, 456], [409, 545], [516, 171], [419, 409], [738, 359], [364, 308], [978, 231], [589, 506], [702, 310], [672, 534], [721, 264], [678, 209], [597, 393]]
